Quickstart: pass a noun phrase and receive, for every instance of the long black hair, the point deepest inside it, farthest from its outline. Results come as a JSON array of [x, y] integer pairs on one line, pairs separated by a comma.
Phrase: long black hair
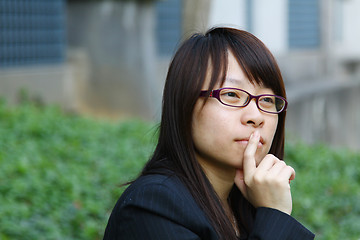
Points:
[[185, 78]]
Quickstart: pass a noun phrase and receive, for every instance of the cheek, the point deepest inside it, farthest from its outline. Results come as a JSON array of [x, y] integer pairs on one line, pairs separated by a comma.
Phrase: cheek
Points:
[[208, 127], [272, 126], [202, 127], [199, 126]]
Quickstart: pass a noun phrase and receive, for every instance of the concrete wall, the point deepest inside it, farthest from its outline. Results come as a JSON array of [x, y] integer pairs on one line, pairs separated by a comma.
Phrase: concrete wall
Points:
[[111, 66], [270, 24], [326, 111], [347, 26], [118, 40], [50, 84], [227, 13]]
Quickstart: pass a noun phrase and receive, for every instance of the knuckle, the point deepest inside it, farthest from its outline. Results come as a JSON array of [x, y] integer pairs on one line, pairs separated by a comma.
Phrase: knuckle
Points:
[[272, 158], [249, 181], [258, 179], [289, 169], [281, 163], [269, 156]]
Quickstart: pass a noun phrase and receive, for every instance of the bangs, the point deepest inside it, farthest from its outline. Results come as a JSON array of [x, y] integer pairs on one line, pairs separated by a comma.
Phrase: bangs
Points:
[[218, 60], [253, 56]]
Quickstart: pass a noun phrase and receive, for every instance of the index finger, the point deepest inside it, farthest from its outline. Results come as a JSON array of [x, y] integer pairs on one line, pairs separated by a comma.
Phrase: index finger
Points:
[[249, 163]]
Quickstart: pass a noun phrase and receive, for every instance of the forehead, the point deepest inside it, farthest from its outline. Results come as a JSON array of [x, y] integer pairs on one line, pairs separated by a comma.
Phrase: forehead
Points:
[[231, 72], [246, 85], [240, 82], [236, 81]]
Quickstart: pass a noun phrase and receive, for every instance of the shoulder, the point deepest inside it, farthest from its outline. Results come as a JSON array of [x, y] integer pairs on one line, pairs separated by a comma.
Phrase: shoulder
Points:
[[161, 194], [157, 203], [151, 188], [153, 181]]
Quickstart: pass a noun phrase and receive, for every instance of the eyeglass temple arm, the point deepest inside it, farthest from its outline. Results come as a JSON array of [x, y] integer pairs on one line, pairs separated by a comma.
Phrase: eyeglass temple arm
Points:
[[213, 93]]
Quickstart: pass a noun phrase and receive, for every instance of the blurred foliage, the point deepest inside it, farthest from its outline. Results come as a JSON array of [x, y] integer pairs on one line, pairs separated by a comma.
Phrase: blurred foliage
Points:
[[326, 190], [60, 176]]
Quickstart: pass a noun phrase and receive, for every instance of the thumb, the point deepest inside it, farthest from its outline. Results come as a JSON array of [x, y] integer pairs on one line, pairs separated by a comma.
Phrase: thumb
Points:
[[240, 183]]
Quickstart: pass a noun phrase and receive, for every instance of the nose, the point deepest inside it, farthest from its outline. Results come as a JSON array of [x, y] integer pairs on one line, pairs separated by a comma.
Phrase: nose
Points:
[[252, 115]]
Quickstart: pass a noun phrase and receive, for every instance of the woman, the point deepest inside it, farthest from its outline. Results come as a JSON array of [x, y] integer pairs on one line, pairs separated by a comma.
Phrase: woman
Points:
[[216, 172]]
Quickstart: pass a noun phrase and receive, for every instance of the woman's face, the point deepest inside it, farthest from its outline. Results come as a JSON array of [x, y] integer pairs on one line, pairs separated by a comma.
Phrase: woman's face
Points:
[[221, 133]]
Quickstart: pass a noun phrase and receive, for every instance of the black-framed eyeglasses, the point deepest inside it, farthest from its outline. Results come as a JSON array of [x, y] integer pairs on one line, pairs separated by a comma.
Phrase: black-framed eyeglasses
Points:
[[235, 97]]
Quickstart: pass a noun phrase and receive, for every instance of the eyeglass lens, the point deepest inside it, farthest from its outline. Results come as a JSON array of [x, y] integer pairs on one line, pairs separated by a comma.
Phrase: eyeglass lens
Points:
[[238, 98]]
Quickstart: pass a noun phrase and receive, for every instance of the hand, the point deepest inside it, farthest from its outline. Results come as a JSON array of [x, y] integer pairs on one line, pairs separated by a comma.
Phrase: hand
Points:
[[268, 184]]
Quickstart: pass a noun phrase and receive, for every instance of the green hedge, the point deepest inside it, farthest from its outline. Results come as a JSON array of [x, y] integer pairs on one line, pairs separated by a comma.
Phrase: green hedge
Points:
[[326, 190], [60, 176]]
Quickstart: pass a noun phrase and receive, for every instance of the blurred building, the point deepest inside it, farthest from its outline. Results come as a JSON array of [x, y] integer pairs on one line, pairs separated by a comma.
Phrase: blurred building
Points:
[[33, 50], [115, 56]]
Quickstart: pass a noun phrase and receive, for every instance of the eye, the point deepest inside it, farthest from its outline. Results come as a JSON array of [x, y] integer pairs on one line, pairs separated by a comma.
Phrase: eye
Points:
[[269, 100], [231, 94], [228, 93], [233, 97]]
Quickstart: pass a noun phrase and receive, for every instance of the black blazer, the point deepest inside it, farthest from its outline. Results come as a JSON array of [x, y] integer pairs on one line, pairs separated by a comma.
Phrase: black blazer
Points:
[[160, 207]]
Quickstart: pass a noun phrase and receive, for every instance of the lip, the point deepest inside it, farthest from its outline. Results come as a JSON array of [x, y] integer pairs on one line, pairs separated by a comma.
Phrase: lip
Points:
[[245, 141]]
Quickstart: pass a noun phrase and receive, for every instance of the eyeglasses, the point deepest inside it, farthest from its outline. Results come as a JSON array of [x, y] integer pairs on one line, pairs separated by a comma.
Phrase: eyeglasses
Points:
[[235, 97]]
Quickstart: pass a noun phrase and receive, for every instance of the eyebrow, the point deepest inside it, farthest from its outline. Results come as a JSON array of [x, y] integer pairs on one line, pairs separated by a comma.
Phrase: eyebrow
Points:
[[240, 82], [234, 80]]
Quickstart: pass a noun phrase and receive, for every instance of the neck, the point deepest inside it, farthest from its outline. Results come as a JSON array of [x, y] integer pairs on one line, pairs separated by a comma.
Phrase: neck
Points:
[[221, 178]]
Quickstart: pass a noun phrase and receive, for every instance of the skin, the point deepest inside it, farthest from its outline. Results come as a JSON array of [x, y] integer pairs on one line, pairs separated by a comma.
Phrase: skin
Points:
[[232, 146]]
